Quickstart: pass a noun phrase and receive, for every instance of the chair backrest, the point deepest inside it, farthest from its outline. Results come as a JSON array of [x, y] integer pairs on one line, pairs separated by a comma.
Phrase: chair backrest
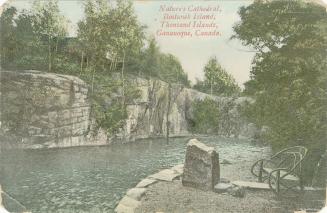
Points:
[[290, 158]]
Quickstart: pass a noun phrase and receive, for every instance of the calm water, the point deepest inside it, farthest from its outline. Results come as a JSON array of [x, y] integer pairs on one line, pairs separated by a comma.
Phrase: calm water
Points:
[[93, 179]]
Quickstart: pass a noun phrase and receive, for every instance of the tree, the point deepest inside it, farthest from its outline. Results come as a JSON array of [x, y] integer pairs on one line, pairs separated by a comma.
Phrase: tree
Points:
[[7, 36], [166, 67], [129, 34], [49, 26], [172, 71], [109, 35], [151, 61], [217, 81], [107, 32], [21, 47], [206, 115], [288, 77]]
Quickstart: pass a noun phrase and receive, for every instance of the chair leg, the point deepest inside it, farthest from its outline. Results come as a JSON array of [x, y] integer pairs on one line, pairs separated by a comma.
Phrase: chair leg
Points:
[[278, 182], [260, 172], [301, 183]]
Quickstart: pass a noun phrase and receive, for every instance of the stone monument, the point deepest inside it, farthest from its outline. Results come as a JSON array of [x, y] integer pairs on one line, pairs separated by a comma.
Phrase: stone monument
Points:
[[201, 167]]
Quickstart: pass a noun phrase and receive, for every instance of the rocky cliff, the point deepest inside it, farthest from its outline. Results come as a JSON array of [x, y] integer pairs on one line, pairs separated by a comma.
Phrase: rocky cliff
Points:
[[46, 110], [163, 106]]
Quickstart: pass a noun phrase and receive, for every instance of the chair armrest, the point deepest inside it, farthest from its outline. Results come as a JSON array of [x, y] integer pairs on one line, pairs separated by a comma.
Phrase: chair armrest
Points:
[[254, 165], [284, 173]]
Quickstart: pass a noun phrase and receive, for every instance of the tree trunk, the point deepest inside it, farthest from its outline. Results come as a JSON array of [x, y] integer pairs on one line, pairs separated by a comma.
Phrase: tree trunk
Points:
[[92, 85], [3, 57], [122, 77], [211, 87], [49, 54], [111, 64], [167, 114], [82, 61], [57, 41], [115, 63]]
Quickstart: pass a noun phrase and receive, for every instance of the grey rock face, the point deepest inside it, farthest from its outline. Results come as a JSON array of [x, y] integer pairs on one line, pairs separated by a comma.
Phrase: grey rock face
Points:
[[147, 115], [201, 168], [44, 110], [47, 110]]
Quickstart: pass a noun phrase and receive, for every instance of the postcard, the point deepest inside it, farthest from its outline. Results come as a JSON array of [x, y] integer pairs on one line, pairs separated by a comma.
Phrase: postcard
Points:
[[163, 106]]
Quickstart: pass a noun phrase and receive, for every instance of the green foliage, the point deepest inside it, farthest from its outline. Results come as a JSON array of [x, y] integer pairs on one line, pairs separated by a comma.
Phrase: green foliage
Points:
[[150, 65], [108, 107], [108, 37], [49, 27], [217, 81], [7, 35], [111, 119], [109, 40], [205, 116], [288, 77], [30, 39], [216, 117], [107, 31], [109, 113], [166, 67], [172, 71]]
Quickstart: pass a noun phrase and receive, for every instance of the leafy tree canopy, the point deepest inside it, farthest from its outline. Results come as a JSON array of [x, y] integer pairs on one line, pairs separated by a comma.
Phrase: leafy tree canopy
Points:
[[217, 81], [288, 76]]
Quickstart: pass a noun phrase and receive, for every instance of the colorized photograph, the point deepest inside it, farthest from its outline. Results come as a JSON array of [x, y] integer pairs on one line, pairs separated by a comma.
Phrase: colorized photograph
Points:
[[163, 106]]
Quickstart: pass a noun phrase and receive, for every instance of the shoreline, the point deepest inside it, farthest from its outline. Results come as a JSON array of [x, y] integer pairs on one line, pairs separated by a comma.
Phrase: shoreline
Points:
[[164, 192], [132, 199], [113, 142]]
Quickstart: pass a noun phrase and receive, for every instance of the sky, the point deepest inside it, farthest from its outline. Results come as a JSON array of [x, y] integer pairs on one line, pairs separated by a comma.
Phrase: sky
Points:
[[194, 52]]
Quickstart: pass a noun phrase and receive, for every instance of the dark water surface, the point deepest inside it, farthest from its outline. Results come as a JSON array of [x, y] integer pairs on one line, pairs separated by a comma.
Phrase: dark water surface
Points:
[[93, 179]]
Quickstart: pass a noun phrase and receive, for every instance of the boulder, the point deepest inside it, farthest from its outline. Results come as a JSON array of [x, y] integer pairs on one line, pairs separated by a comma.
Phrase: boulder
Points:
[[222, 187], [201, 168], [237, 191]]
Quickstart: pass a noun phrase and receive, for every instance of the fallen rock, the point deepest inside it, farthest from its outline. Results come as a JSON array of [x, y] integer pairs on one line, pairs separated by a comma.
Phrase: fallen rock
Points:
[[201, 168], [136, 193], [165, 175], [145, 183], [222, 187], [236, 191]]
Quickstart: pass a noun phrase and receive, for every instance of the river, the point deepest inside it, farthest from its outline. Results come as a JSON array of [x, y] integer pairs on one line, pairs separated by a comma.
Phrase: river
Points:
[[93, 179]]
